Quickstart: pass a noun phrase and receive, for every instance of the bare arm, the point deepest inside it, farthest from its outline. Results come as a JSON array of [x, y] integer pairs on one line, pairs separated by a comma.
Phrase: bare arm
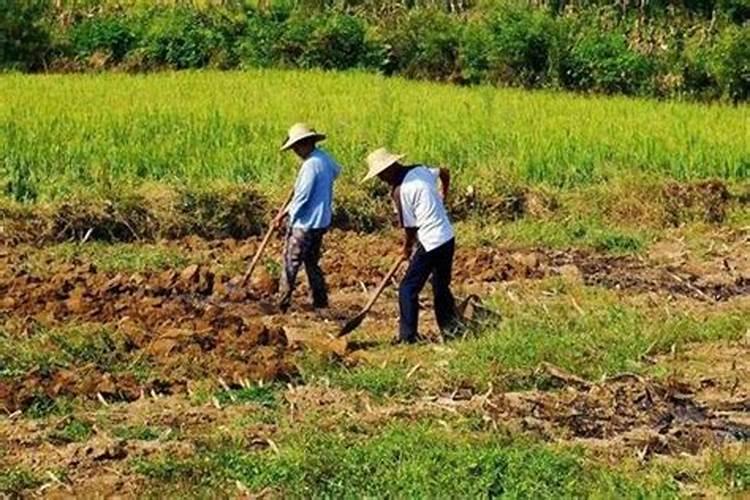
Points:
[[410, 239], [445, 182]]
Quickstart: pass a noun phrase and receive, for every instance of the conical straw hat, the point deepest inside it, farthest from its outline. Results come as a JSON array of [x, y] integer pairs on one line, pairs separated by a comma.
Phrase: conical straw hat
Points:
[[379, 161], [300, 131]]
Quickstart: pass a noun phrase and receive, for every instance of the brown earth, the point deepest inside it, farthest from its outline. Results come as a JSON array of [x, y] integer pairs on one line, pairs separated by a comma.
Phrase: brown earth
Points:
[[197, 321], [197, 324]]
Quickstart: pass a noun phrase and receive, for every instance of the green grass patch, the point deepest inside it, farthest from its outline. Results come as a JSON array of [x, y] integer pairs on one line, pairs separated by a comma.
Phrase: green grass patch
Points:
[[731, 473], [42, 406], [118, 257], [559, 234], [401, 461], [53, 348], [15, 481], [605, 336], [265, 395], [73, 431], [384, 380]]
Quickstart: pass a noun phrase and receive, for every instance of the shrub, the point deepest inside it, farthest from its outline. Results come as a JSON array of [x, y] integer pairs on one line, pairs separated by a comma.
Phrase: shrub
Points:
[[423, 45], [732, 64], [24, 38], [522, 41], [602, 62], [338, 42], [262, 33], [182, 38], [110, 34], [698, 78], [737, 10], [333, 41]]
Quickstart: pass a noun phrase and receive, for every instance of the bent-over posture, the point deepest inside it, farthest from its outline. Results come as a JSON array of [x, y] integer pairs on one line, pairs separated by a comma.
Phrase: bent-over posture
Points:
[[426, 225]]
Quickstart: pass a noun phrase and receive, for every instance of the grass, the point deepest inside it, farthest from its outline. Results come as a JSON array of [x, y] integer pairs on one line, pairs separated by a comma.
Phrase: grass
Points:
[[388, 379], [52, 348], [592, 332], [402, 460], [588, 331], [194, 128], [265, 395], [14, 480], [732, 472], [558, 234], [117, 257], [73, 431]]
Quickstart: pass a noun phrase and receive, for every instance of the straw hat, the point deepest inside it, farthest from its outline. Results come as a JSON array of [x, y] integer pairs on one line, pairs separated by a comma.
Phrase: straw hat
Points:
[[300, 131], [379, 161]]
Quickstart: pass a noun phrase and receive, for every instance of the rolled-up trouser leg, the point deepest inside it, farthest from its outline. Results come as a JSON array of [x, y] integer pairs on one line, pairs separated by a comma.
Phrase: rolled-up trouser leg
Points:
[[293, 258]]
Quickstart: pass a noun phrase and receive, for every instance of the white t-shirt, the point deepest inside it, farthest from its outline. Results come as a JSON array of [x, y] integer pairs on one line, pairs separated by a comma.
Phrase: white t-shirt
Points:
[[423, 208]]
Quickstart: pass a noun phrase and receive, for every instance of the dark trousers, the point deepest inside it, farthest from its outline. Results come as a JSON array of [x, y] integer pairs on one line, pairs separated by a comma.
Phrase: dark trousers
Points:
[[303, 246], [439, 264]]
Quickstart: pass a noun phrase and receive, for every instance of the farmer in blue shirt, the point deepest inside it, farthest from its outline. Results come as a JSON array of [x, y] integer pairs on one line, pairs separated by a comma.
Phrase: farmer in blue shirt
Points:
[[309, 214]]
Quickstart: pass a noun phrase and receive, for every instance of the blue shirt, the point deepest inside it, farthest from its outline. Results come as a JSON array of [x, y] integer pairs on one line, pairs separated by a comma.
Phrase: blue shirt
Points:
[[310, 207]]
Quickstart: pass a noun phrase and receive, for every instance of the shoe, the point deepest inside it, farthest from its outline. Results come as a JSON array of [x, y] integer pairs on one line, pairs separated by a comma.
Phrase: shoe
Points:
[[402, 341]]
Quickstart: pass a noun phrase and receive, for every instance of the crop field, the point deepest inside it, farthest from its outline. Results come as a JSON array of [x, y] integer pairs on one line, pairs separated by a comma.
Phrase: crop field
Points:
[[612, 236]]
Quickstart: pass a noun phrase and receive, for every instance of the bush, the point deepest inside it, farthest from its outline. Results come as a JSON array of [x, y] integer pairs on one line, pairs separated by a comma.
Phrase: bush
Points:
[[602, 62], [338, 42], [698, 78], [737, 10], [182, 38], [333, 41], [424, 44], [112, 35], [521, 44], [262, 33], [24, 37], [732, 64]]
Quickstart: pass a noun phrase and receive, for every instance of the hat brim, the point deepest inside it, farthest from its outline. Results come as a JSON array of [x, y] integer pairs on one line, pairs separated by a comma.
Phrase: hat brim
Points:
[[385, 166], [291, 142]]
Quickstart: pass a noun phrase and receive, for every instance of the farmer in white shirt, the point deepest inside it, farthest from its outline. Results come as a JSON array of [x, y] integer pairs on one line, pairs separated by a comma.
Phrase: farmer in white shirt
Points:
[[422, 214], [309, 214]]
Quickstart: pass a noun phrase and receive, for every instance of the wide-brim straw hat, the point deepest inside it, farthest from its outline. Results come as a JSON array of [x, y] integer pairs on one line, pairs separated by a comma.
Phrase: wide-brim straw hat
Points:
[[379, 161], [298, 132]]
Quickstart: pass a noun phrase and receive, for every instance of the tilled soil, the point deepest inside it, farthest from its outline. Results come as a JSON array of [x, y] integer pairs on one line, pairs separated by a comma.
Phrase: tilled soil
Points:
[[198, 321], [197, 324]]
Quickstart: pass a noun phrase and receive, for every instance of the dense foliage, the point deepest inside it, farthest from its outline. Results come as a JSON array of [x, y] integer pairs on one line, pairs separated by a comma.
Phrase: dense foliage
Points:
[[700, 49]]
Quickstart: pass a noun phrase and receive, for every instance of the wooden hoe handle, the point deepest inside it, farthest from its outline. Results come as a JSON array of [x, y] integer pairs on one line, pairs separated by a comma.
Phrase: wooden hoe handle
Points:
[[265, 241]]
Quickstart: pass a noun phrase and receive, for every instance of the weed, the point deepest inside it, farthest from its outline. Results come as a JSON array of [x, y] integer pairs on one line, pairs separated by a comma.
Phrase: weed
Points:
[[733, 473], [73, 431], [265, 395], [118, 257], [42, 406], [14, 481]]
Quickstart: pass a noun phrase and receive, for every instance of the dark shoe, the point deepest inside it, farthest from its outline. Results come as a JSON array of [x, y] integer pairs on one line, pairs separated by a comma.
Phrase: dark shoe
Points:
[[283, 306], [326, 314], [402, 341]]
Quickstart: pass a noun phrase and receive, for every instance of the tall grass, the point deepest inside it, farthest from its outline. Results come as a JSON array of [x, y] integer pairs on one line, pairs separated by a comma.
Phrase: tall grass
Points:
[[108, 132]]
